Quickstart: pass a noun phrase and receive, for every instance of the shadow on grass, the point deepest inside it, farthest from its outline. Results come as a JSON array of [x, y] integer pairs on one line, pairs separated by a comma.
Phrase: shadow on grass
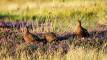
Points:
[[93, 34], [100, 32]]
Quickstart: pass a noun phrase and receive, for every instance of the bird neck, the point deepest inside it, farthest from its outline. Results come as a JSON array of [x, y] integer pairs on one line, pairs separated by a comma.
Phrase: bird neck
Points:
[[27, 32], [79, 25]]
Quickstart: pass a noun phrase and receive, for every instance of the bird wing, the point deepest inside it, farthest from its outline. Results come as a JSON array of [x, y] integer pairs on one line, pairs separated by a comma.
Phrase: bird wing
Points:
[[36, 37], [85, 31]]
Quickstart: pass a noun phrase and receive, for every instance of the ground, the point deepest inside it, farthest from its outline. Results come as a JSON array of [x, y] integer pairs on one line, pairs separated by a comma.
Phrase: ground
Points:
[[60, 17]]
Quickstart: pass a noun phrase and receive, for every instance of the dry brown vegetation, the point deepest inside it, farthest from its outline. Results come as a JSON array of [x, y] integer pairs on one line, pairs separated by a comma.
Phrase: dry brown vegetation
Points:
[[59, 17]]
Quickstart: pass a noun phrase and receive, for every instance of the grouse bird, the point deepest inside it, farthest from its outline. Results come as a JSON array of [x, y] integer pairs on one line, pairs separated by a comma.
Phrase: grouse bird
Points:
[[50, 36], [80, 31], [30, 37]]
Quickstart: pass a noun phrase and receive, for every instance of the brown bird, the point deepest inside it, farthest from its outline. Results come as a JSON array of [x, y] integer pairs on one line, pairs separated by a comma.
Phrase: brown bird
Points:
[[50, 36], [30, 37], [80, 31]]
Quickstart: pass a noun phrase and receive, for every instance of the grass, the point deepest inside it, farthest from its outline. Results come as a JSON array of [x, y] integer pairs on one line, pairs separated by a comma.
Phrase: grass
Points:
[[12, 47], [58, 16], [24, 52]]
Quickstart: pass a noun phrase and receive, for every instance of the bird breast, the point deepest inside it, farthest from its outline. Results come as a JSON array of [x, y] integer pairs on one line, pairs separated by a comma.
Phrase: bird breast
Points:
[[78, 30], [28, 38]]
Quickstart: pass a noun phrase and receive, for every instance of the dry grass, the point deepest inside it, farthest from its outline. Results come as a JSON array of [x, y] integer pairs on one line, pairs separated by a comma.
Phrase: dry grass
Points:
[[59, 17]]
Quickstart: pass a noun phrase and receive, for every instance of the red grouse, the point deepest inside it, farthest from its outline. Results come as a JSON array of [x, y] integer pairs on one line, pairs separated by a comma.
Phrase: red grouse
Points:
[[50, 36], [80, 31], [30, 37]]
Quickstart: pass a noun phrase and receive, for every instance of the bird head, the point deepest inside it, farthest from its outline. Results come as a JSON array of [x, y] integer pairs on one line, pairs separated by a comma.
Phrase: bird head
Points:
[[24, 30]]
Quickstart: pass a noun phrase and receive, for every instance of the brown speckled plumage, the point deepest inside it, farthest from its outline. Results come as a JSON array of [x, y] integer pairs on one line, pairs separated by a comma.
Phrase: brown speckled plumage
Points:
[[30, 37], [50, 36], [80, 31]]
